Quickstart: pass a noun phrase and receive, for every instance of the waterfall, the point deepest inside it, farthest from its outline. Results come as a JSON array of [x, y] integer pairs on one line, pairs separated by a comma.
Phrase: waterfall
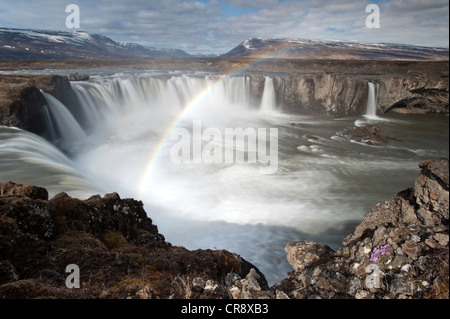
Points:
[[123, 122], [372, 100], [69, 131], [268, 101], [103, 104], [173, 93], [106, 100], [29, 159], [52, 134]]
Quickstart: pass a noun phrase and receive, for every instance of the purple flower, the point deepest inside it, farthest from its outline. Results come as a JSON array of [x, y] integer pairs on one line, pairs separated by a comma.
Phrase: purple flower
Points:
[[379, 251]]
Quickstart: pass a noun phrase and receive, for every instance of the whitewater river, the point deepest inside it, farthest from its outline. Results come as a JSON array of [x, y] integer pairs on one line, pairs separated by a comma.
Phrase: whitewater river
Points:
[[314, 182]]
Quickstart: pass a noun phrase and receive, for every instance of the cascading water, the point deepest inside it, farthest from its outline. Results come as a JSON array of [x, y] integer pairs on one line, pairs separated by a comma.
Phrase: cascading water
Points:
[[372, 100], [268, 102], [103, 101], [52, 134], [30, 159], [64, 123], [324, 184]]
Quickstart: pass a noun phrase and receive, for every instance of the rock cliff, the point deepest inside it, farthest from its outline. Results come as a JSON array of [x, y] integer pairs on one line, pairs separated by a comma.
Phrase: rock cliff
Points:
[[21, 101], [338, 95], [400, 249], [119, 251]]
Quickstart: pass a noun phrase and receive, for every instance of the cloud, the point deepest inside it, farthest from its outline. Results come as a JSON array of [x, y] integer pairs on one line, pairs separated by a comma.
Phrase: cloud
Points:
[[409, 21], [203, 25], [249, 4]]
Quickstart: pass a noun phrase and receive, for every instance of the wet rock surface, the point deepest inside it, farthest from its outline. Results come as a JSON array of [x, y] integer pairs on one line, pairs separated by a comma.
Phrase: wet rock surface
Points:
[[370, 134]]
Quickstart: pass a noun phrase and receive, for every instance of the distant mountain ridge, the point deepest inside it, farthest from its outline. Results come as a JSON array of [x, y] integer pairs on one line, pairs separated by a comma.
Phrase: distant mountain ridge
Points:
[[27, 44], [318, 49]]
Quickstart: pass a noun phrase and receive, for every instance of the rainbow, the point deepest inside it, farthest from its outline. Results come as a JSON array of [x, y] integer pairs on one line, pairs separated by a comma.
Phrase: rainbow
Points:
[[153, 158], [165, 136]]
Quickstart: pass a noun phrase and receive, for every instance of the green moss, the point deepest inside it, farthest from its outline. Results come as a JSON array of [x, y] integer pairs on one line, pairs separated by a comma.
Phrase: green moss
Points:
[[114, 240]]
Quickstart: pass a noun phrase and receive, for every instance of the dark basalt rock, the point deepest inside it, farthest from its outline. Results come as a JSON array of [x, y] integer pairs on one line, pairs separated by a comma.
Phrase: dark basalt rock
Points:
[[370, 134], [22, 103], [78, 77], [117, 247], [400, 249]]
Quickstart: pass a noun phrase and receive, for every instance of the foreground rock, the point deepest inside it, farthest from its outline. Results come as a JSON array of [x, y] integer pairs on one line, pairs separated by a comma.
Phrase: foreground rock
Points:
[[400, 250], [119, 251]]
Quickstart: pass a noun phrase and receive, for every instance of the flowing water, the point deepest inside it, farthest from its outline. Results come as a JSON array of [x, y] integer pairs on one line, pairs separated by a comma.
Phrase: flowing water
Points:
[[121, 140], [372, 100]]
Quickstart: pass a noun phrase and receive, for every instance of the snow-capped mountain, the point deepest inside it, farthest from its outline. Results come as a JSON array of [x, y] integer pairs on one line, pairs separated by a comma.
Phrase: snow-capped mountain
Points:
[[317, 49], [25, 44]]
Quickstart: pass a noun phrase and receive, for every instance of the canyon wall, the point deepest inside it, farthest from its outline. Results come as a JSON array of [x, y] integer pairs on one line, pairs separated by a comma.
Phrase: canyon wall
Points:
[[312, 93], [338, 95]]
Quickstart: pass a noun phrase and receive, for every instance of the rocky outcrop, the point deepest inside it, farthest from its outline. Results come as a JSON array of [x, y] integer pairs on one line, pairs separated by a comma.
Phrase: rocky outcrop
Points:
[[370, 134], [119, 251], [22, 103], [400, 249], [77, 77]]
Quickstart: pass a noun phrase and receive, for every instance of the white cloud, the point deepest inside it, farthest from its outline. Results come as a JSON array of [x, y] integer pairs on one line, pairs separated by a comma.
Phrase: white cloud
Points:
[[201, 25]]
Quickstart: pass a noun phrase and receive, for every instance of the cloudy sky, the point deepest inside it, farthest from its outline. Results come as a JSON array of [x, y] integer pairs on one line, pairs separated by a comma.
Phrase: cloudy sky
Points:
[[216, 26]]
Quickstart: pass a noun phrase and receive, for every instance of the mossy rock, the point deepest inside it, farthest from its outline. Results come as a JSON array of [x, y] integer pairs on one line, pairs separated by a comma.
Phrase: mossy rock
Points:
[[78, 239], [70, 214], [114, 240]]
